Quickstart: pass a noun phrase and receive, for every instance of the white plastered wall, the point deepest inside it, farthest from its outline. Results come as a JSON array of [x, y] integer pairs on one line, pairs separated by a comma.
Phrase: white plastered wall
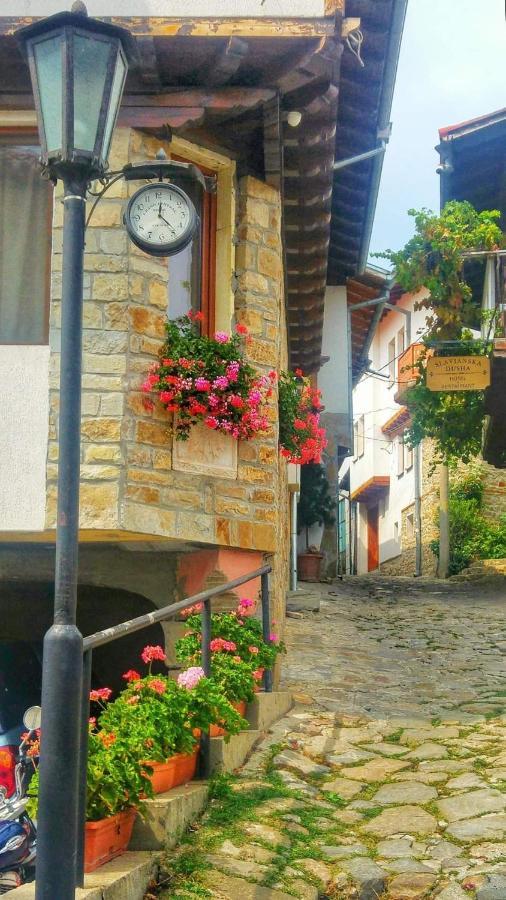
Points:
[[174, 8], [333, 376], [24, 417]]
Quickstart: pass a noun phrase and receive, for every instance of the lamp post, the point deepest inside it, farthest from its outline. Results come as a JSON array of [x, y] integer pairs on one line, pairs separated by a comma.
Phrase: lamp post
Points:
[[78, 68]]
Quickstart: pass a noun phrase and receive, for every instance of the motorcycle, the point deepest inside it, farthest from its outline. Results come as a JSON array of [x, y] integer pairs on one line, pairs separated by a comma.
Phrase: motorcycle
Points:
[[18, 833]]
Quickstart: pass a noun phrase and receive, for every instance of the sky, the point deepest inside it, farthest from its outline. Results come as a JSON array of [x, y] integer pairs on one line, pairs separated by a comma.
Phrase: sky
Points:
[[452, 67]]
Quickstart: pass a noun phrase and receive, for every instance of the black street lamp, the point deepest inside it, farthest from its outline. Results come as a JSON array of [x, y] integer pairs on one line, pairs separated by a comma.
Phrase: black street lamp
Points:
[[78, 68]]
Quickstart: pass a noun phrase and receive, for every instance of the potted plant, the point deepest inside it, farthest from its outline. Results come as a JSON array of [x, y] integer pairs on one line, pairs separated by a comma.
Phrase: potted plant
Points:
[[160, 720], [116, 786], [239, 654], [315, 507], [302, 440], [206, 379]]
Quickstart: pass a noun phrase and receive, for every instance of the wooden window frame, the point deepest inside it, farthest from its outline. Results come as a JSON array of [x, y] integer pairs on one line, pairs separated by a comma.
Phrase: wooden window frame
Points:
[[29, 136], [207, 254]]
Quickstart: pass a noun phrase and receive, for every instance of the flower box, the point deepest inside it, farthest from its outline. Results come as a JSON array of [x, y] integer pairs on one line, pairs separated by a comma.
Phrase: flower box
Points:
[[107, 838], [177, 770], [240, 707]]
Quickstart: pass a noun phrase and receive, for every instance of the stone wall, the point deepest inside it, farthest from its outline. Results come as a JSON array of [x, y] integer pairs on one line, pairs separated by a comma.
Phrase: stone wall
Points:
[[405, 563], [494, 492], [134, 478]]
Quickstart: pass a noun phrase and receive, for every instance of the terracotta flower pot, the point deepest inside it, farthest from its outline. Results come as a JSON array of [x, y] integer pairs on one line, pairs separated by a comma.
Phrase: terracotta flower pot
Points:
[[259, 686], [240, 707], [107, 838], [308, 566], [178, 769]]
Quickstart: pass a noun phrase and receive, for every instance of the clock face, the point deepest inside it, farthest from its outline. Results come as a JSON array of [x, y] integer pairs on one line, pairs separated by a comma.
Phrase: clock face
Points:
[[161, 219]]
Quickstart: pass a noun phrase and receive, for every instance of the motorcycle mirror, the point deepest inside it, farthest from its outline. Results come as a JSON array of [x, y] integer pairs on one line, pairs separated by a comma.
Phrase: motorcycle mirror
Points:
[[31, 718]]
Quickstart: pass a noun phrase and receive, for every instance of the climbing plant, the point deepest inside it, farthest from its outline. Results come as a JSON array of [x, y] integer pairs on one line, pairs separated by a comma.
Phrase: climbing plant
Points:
[[432, 265]]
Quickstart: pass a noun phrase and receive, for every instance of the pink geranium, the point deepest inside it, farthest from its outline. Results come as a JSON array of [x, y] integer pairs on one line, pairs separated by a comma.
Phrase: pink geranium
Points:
[[101, 694], [219, 644], [191, 677], [131, 675], [153, 652]]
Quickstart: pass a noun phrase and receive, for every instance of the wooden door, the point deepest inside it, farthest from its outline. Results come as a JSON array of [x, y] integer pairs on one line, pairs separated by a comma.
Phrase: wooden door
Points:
[[372, 538]]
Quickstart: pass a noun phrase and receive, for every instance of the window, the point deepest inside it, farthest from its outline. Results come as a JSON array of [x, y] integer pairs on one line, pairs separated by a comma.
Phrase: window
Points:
[[192, 273], [400, 455], [355, 440], [360, 438], [391, 362], [25, 243], [410, 526], [408, 457], [401, 342], [396, 532]]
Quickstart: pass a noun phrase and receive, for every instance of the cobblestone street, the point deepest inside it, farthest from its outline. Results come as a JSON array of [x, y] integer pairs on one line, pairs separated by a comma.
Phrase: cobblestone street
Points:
[[388, 777]]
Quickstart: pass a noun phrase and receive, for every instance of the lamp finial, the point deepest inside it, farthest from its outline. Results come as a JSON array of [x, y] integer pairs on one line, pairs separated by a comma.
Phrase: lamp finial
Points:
[[79, 8]]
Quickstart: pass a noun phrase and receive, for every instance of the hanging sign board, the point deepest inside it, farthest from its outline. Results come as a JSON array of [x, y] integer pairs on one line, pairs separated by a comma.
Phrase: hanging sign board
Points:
[[458, 373]]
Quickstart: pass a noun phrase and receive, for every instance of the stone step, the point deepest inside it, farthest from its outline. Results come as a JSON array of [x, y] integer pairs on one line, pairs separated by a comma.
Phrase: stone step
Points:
[[124, 878], [168, 815]]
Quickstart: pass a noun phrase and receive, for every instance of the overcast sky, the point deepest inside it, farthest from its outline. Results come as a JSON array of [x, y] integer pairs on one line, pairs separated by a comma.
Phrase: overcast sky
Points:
[[452, 67]]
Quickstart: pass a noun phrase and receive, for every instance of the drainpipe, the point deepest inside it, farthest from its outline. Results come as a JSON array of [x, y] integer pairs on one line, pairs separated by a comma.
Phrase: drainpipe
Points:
[[293, 541], [351, 160], [417, 458]]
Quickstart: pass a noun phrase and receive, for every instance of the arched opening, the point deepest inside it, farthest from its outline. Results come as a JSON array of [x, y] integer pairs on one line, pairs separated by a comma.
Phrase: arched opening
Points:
[[26, 612]]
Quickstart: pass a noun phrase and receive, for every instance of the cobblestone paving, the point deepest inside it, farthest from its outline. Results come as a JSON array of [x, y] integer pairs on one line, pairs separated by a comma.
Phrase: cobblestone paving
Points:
[[388, 777]]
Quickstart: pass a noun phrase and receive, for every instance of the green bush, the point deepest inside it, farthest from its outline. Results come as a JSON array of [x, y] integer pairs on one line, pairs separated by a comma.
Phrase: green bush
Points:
[[472, 537]]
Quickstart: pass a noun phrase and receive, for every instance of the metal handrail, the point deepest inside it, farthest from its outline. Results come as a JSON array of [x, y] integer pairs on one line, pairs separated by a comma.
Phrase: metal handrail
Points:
[[129, 627], [111, 634]]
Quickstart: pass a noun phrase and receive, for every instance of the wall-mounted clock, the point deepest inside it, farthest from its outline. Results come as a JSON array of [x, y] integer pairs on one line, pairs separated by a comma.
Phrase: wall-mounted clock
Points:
[[161, 219]]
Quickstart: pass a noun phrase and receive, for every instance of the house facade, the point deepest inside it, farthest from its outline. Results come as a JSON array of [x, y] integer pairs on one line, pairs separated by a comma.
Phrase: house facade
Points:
[[160, 519], [384, 486]]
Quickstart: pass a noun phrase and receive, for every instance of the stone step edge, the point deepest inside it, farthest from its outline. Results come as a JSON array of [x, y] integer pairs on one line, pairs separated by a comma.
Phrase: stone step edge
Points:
[[126, 877]]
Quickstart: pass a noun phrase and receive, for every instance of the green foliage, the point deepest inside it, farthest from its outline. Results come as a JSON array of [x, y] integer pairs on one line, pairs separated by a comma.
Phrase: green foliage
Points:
[[316, 504], [472, 537], [234, 670], [432, 261], [155, 718], [116, 780], [289, 391], [452, 419]]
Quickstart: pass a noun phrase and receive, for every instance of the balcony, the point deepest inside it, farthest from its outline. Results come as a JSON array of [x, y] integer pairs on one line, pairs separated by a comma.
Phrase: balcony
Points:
[[407, 371]]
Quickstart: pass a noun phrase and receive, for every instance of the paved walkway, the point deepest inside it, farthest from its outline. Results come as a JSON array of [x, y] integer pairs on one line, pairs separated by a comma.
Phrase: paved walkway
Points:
[[388, 778]]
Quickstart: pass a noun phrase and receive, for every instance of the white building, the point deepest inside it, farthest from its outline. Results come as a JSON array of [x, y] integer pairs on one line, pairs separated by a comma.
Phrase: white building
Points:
[[382, 469]]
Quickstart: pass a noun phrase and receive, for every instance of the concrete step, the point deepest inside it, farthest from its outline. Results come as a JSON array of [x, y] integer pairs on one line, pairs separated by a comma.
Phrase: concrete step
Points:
[[124, 878], [168, 816]]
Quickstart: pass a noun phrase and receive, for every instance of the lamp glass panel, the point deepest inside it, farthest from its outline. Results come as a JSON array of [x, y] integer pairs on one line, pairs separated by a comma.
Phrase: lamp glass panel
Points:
[[114, 102], [48, 63], [90, 72]]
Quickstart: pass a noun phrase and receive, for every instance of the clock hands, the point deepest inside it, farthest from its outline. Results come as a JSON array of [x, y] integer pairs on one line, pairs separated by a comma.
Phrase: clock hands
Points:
[[164, 220]]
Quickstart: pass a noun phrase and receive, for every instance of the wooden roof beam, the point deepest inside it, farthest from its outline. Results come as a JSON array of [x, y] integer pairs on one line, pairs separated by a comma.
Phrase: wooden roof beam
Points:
[[160, 27]]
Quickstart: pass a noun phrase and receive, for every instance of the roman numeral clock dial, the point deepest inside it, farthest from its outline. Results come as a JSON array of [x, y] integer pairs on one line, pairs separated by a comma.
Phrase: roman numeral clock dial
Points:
[[161, 219]]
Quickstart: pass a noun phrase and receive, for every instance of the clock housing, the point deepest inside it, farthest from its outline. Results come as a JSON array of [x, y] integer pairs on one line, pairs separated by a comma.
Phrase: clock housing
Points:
[[161, 219]]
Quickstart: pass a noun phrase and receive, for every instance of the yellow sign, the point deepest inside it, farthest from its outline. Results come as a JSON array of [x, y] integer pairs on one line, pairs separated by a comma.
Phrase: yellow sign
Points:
[[458, 373]]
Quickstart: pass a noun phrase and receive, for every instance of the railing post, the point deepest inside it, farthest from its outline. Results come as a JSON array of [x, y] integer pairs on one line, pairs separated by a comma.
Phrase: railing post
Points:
[[205, 744], [266, 624], [83, 767]]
